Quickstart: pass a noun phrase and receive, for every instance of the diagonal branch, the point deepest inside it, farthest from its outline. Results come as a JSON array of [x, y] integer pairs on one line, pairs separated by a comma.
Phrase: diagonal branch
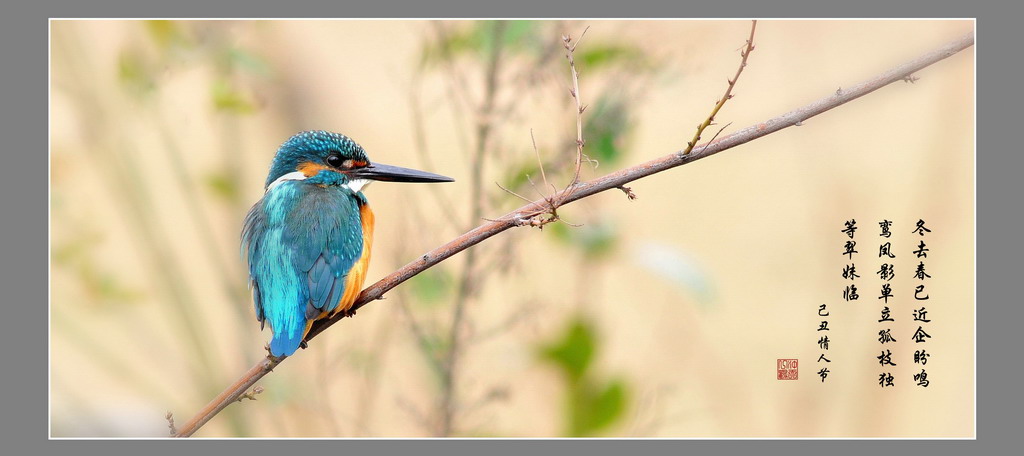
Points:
[[580, 191]]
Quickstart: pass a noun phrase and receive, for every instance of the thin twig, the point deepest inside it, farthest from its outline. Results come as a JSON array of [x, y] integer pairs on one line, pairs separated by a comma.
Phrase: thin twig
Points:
[[540, 163], [570, 47], [583, 190], [720, 130], [552, 203], [170, 424], [628, 191], [744, 54], [469, 283], [513, 193], [250, 395]]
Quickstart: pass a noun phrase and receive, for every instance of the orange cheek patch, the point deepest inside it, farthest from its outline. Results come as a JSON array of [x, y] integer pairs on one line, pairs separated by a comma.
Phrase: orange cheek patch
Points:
[[310, 169]]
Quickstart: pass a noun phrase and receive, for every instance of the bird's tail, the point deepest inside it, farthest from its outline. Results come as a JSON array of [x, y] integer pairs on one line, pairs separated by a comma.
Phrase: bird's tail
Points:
[[284, 343]]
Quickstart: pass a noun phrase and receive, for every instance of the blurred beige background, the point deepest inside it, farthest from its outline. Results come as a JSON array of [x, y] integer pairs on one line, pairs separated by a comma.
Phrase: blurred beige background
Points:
[[161, 135]]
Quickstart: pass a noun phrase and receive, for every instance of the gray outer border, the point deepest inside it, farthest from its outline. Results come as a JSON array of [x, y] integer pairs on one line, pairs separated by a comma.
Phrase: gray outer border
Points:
[[23, 188]]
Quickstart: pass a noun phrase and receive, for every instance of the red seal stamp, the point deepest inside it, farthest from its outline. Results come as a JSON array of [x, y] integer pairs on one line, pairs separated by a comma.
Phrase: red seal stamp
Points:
[[788, 369]]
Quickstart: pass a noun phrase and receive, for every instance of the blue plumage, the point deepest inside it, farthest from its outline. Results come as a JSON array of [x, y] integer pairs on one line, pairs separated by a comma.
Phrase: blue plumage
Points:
[[306, 234], [302, 237]]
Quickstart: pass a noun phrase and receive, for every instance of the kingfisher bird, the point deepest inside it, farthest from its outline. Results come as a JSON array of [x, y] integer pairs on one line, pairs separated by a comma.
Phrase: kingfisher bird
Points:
[[308, 239]]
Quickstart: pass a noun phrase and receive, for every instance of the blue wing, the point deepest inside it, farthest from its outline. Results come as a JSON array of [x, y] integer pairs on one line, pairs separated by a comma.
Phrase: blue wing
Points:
[[302, 240]]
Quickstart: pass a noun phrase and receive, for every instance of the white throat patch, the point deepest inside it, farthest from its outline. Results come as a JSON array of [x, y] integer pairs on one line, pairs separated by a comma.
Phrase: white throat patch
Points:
[[295, 175], [357, 184]]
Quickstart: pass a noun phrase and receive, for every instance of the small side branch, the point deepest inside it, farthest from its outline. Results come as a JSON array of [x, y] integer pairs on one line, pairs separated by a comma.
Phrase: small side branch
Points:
[[570, 48], [170, 423], [628, 191], [744, 55], [229, 395], [548, 211], [251, 395]]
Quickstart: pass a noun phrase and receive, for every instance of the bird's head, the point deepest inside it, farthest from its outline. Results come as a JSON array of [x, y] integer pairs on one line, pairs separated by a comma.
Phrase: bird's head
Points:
[[308, 153]]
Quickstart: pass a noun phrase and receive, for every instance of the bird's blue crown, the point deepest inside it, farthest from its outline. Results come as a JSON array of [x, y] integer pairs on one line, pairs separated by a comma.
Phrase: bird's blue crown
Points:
[[312, 147]]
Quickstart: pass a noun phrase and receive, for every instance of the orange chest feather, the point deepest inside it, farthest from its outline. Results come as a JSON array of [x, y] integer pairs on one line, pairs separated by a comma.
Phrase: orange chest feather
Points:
[[357, 275]]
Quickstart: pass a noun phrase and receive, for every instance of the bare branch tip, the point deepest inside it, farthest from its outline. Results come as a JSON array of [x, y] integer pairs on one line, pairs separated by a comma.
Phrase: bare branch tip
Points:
[[580, 39], [170, 423], [628, 191]]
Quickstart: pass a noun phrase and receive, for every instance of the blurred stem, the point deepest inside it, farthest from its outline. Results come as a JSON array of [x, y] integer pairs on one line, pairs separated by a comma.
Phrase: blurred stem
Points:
[[170, 277], [420, 136], [421, 336], [205, 226], [108, 360], [467, 285], [323, 369], [371, 384], [123, 179], [456, 84]]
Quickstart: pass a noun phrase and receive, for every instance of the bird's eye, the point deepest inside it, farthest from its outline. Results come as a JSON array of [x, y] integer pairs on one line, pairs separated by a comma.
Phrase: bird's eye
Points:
[[334, 161]]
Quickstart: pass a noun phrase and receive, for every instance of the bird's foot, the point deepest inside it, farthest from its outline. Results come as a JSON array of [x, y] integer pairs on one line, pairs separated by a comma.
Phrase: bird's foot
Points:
[[303, 345]]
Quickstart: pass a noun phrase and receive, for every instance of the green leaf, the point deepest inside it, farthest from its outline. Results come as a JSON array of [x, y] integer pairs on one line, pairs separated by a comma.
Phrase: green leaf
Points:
[[105, 287], [606, 128], [596, 240], [435, 347], [513, 35], [432, 286], [574, 352], [560, 232], [67, 252], [248, 61], [363, 360], [520, 34], [227, 98], [102, 287], [165, 33], [592, 412], [224, 185], [457, 42], [519, 178], [478, 41], [595, 56], [134, 73]]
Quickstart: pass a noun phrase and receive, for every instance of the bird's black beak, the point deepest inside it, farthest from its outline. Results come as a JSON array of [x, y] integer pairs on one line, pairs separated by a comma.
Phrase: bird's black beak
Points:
[[388, 173]]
